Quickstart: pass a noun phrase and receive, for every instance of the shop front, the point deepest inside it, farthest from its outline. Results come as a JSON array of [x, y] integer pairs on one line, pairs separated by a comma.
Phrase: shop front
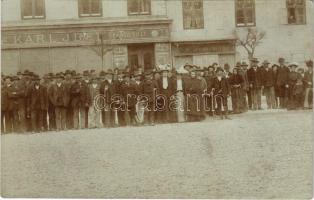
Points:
[[99, 46], [204, 53]]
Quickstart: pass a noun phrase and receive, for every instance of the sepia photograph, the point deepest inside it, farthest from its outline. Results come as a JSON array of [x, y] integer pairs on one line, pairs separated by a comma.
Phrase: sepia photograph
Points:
[[157, 99]]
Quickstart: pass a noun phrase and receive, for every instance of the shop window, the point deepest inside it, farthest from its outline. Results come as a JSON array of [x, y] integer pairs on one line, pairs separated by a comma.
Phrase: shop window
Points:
[[193, 16], [139, 7], [33, 9], [245, 12], [90, 8], [296, 11]]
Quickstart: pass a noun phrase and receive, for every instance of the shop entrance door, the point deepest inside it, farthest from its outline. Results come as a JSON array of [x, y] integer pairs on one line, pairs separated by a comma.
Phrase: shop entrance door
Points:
[[141, 56]]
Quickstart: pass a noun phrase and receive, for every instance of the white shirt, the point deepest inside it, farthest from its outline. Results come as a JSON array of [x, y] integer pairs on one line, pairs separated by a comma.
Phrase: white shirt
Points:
[[179, 84], [164, 82]]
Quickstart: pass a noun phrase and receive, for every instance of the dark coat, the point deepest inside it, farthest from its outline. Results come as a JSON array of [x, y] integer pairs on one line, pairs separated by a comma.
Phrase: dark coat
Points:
[[255, 77], [149, 89], [130, 91], [269, 78], [38, 98], [80, 95], [168, 91], [192, 89], [4, 98], [58, 97], [15, 93], [221, 87], [308, 78], [282, 76], [235, 80]]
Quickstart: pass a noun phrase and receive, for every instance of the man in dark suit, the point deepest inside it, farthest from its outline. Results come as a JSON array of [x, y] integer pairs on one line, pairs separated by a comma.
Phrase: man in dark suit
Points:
[[282, 83], [268, 83], [255, 82], [60, 101], [221, 92], [38, 104], [149, 90], [308, 84]]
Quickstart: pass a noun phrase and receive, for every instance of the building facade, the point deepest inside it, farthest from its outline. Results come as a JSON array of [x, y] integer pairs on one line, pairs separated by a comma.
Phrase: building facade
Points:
[[54, 35]]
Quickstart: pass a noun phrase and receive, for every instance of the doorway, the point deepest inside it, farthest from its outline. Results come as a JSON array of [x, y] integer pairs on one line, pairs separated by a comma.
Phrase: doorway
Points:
[[141, 56]]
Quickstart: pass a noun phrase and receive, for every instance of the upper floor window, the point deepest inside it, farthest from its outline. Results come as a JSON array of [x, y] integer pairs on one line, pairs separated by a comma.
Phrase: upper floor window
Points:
[[193, 16], [296, 11], [139, 7], [90, 8], [245, 12], [33, 9]]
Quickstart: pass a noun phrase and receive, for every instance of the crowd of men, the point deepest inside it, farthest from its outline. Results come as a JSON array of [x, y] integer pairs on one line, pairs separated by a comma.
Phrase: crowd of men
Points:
[[130, 97]]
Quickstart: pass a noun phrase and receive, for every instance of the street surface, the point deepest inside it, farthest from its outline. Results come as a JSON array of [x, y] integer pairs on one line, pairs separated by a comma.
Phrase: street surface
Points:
[[262, 154]]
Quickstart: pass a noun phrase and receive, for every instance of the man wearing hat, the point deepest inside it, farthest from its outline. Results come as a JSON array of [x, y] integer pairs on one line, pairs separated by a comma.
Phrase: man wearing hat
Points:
[[118, 103], [245, 105], [60, 102], [4, 102], [94, 111], [38, 104], [308, 84], [292, 81], [256, 84], [107, 89], [149, 89], [194, 98], [14, 95], [68, 82], [282, 82], [221, 92], [269, 83]]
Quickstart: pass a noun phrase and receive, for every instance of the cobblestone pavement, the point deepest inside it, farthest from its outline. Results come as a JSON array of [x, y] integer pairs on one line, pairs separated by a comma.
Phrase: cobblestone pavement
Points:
[[255, 155]]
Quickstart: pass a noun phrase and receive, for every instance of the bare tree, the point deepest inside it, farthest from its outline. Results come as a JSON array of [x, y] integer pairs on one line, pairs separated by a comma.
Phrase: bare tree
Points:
[[101, 48], [249, 40]]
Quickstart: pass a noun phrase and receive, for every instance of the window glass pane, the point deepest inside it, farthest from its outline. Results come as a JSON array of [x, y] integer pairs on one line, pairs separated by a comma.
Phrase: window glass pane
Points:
[[27, 8], [245, 12], [96, 7], [291, 16], [145, 6], [84, 5], [193, 16], [39, 8], [133, 6]]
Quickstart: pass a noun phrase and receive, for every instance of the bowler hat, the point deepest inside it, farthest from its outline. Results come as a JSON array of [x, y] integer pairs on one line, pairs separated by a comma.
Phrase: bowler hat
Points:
[[219, 69], [244, 64], [266, 62], [274, 65]]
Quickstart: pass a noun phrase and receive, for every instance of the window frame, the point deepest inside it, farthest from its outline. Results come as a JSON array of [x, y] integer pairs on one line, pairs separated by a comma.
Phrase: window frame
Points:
[[296, 8], [253, 17], [139, 13], [82, 15], [191, 28], [33, 16]]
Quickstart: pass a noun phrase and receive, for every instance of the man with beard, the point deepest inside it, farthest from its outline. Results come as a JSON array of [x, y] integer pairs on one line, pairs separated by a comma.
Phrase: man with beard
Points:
[[293, 77], [282, 83]]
